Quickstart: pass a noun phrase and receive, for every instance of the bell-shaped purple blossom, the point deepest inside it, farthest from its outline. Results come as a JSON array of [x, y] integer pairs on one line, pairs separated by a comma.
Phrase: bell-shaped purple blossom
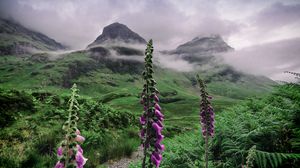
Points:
[[156, 99], [158, 114], [156, 158], [159, 123], [159, 146], [142, 133], [142, 120], [155, 161], [159, 138], [80, 160], [79, 138], [59, 151], [157, 107], [156, 127], [59, 165], [79, 149]]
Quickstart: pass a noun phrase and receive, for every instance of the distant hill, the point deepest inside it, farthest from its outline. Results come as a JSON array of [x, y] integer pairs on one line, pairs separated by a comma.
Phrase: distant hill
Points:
[[17, 39], [201, 50], [117, 33], [204, 45]]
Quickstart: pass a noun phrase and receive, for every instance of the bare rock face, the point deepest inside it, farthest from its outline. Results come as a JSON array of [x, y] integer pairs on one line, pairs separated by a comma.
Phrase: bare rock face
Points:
[[117, 33]]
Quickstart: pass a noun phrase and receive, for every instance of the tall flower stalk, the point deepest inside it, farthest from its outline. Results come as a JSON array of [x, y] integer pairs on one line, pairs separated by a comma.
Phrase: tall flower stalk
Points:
[[207, 116], [152, 118], [70, 153]]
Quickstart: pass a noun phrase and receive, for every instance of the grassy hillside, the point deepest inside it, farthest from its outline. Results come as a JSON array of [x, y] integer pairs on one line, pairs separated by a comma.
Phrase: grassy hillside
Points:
[[118, 82], [34, 90], [17, 39]]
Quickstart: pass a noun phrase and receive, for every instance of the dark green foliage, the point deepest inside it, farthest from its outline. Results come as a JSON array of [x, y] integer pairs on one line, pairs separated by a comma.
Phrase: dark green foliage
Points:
[[267, 123], [76, 69], [271, 124], [184, 150], [31, 140], [13, 102], [99, 117], [266, 159]]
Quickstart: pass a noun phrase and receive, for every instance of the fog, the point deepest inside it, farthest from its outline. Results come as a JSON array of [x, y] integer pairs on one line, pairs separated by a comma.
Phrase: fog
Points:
[[254, 28], [270, 59]]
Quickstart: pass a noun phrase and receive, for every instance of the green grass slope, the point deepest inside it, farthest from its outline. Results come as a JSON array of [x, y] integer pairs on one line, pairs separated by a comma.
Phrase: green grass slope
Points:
[[118, 82], [16, 39]]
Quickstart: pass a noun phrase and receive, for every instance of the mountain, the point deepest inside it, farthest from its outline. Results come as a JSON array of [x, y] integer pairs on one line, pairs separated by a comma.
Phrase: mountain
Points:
[[204, 45], [112, 74], [17, 39], [201, 50], [117, 33]]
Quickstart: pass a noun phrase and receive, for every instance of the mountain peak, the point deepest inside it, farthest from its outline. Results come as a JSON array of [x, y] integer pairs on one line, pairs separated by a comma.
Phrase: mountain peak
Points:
[[118, 33], [213, 43]]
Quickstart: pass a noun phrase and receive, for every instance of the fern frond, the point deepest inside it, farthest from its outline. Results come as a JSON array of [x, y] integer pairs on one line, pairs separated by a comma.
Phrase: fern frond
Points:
[[267, 159]]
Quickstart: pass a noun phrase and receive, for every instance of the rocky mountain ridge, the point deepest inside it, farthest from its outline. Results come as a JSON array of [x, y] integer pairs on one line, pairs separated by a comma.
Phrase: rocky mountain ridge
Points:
[[116, 33]]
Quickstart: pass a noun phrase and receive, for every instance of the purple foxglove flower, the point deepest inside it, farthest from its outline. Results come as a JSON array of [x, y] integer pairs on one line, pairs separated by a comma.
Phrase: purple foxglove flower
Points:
[[59, 151], [155, 161], [159, 146], [158, 114], [80, 160], [156, 127], [160, 123], [157, 107], [152, 114], [142, 133], [160, 118], [79, 149], [143, 120], [59, 165], [79, 138], [156, 98], [157, 155], [159, 138]]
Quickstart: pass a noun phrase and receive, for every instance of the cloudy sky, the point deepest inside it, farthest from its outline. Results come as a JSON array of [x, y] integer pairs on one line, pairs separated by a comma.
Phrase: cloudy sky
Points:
[[252, 27]]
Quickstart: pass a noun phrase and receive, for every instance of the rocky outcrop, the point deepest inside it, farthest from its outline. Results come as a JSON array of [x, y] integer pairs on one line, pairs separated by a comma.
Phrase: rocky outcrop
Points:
[[117, 33]]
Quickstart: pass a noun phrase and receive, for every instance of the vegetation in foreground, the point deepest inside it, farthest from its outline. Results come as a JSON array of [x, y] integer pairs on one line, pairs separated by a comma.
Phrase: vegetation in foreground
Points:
[[258, 132]]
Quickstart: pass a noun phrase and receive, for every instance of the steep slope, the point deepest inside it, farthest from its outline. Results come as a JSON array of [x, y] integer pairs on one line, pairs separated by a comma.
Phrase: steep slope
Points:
[[117, 33], [16, 39]]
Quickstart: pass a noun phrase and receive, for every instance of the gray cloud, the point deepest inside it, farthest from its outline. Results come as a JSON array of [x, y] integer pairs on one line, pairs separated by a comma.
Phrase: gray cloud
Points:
[[254, 25], [277, 15], [270, 59]]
